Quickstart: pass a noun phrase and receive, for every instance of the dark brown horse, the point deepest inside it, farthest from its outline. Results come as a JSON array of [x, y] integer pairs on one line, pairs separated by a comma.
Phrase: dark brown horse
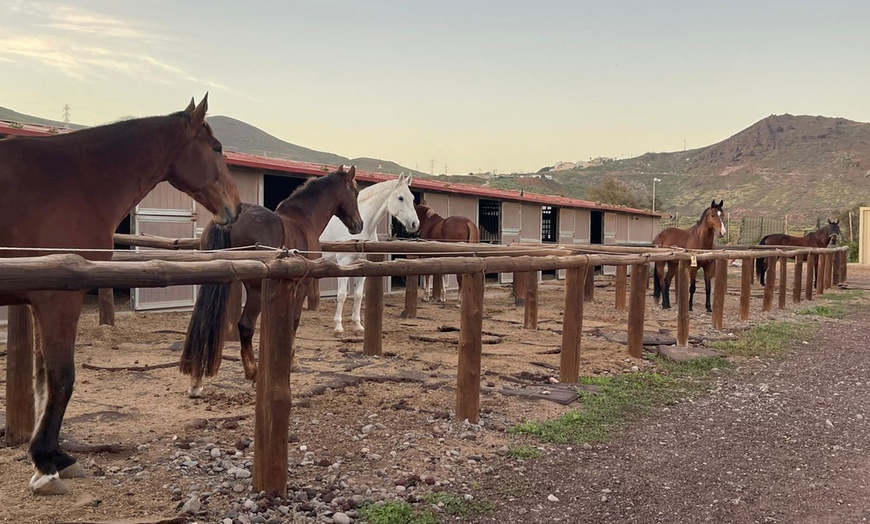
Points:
[[822, 237], [72, 191], [296, 223], [699, 236], [451, 229]]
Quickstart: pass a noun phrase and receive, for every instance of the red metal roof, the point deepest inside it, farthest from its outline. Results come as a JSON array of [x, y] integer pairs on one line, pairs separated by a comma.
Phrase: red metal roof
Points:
[[307, 168]]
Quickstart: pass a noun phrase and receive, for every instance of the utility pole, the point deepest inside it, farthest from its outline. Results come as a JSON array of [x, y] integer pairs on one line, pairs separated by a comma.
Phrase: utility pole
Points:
[[66, 110], [432, 166]]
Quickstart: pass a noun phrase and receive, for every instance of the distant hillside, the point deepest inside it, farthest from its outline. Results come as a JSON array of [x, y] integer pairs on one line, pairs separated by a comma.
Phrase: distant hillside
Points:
[[21, 118], [245, 138], [803, 166]]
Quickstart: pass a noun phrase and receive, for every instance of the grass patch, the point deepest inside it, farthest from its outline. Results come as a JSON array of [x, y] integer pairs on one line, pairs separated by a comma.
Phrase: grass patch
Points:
[[524, 452], [761, 341], [823, 311], [851, 294], [621, 397], [395, 512], [456, 505]]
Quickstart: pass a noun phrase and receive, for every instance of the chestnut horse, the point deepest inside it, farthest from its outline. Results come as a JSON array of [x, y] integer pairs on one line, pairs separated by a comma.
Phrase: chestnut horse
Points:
[[451, 229], [296, 223], [822, 237], [699, 236], [72, 191]]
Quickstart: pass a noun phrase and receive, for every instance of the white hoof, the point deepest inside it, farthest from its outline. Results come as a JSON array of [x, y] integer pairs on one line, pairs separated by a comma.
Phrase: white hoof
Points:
[[359, 330], [45, 485], [74, 471], [194, 392], [425, 299], [339, 331]]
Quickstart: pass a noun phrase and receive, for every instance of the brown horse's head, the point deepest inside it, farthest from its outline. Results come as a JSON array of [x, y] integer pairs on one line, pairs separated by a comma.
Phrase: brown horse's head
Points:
[[199, 168], [346, 195], [833, 231], [713, 218]]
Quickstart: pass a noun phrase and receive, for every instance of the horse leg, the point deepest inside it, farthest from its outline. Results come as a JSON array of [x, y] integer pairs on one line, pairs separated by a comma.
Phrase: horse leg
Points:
[[459, 282], [343, 283], [693, 276], [247, 323], [666, 286], [426, 288], [57, 316], [297, 316], [356, 317], [443, 298], [708, 276], [658, 277]]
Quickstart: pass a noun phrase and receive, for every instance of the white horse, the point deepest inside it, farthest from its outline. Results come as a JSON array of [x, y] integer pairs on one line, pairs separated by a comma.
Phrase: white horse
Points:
[[391, 197]]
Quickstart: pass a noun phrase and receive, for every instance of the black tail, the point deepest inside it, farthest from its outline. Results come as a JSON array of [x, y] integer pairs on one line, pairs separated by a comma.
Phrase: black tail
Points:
[[761, 263], [657, 284], [205, 334]]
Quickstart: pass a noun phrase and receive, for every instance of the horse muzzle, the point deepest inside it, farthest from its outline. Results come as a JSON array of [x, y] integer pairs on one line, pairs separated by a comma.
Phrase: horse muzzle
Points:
[[227, 215], [355, 227]]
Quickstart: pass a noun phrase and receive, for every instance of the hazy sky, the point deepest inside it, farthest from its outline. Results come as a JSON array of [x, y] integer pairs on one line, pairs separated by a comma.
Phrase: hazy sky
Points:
[[506, 85]]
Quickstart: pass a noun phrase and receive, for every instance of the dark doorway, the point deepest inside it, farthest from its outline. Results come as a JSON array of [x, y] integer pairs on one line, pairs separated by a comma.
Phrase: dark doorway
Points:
[[596, 228], [489, 221], [276, 188]]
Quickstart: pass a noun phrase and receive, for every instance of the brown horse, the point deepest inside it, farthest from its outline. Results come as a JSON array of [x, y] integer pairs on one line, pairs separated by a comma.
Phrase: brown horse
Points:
[[822, 237], [699, 236], [296, 223], [451, 229], [72, 191]]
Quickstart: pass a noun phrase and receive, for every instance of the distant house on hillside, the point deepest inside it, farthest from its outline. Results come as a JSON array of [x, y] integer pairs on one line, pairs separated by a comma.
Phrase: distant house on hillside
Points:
[[564, 166]]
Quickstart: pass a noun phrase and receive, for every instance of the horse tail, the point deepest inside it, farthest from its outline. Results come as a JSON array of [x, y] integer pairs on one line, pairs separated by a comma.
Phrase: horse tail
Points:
[[203, 345], [473, 233], [657, 283]]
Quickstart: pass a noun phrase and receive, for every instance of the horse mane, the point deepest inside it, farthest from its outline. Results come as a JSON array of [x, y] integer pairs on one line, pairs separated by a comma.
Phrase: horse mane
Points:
[[376, 189], [703, 214], [310, 190]]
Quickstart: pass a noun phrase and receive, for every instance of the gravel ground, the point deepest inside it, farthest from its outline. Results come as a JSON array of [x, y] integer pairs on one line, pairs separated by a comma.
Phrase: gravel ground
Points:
[[780, 440]]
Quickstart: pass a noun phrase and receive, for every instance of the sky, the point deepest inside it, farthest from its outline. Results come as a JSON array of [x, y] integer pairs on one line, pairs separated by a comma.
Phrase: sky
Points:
[[504, 86]]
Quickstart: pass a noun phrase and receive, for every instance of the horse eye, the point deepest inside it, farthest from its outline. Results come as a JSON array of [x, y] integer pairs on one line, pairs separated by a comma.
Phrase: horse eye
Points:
[[218, 148], [401, 199]]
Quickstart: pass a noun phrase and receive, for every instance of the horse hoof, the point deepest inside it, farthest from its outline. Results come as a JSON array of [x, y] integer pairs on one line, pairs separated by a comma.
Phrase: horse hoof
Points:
[[359, 331], [47, 485], [425, 299], [666, 307], [338, 332], [194, 392], [73, 471]]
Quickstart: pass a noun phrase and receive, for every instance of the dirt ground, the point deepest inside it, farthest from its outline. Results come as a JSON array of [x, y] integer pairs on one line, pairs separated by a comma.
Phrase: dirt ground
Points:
[[368, 428]]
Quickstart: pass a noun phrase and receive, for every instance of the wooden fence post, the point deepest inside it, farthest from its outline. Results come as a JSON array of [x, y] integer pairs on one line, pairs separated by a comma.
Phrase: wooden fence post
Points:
[[820, 274], [234, 310], [470, 348], [313, 297], [745, 286], [20, 416], [798, 275], [530, 313], [589, 292], [410, 296], [572, 325], [811, 271], [621, 281], [683, 303], [374, 312], [636, 308], [720, 289], [829, 270], [438, 291], [519, 286], [107, 306], [845, 262], [783, 281], [769, 283], [272, 412]]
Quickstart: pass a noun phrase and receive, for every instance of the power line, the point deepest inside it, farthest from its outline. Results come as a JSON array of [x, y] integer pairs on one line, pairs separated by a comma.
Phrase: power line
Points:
[[66, 111], [432, 166]]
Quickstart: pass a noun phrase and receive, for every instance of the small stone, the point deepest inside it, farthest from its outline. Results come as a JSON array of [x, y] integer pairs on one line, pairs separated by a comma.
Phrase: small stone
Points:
[[341, 518], [215, 453], [401, 489], [259, 519], [192, 506], [829, 423], [368, 428], [238, 488], [587, 446], [227, 521], [284, 509], [503, 451], [552, 498]]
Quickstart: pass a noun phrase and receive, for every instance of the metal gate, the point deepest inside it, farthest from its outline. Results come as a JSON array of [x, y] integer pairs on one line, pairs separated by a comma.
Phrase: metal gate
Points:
[[511, 223]]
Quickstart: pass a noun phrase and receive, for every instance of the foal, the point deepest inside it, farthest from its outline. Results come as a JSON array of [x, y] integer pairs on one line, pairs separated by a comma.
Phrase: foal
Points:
[[296, 223], [451, 229], [699, 236]]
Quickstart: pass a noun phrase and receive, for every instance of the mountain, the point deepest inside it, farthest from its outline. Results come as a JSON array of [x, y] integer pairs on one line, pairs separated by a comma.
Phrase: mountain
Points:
[[240, 136], [805, 167], [21, 118]]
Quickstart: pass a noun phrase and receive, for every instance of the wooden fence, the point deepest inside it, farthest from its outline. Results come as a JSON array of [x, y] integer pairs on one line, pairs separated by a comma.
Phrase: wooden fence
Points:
[[280, 269]]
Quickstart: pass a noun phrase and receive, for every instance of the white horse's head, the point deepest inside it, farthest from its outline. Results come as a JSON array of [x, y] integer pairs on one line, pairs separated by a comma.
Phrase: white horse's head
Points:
[[401, 204]]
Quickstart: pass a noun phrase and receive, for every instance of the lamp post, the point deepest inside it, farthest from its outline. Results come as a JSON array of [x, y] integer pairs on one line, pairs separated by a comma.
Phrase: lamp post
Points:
[[654, 193]]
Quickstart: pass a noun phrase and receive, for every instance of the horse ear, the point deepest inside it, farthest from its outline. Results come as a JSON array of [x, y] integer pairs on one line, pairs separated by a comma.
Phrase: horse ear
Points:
[[713, 204], [409, 178], [837, 222], [351, 172], [720, 204], [190, 107], [198, 115]]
